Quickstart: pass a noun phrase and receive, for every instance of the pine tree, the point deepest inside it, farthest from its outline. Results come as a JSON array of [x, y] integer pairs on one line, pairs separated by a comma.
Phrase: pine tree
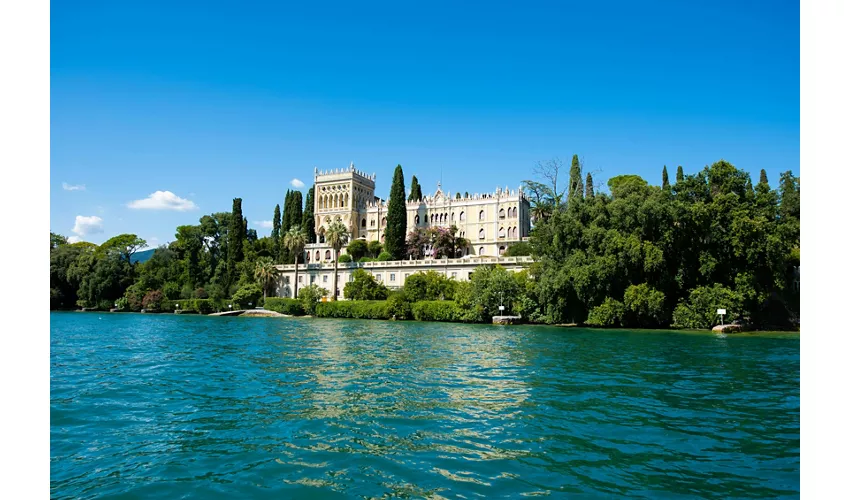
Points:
[[396, 230], [665, 181], [680, 175], [588, 186], [576, 186], [308, 219], [235, 237], [415, 190], [763, 177], [276, 225]]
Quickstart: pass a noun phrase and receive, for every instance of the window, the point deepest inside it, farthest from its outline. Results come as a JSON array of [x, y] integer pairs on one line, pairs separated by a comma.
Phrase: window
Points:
[[480, 251], [327, 255], [462, 216], [514, 212], [392, 276], [321, 239], [363, 223], [325, 278], [301, 279], [481, 234], [286, 279], [502, 250], [318, 256], [384, 222], [312, 279], [454, 274], [416, 220], [501, 232], [379, 277], [481, 215], [453, 216], [502, 213], [372, 222]]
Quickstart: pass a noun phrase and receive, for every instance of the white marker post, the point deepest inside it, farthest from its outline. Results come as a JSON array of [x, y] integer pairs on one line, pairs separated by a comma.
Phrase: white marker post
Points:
[[721, 312]]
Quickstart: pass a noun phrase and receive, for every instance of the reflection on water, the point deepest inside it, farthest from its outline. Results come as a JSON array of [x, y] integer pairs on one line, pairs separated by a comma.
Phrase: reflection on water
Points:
[[231, 407]]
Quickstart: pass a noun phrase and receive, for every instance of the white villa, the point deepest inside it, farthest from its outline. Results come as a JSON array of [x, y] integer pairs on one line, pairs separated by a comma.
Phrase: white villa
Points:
[[491, 222]]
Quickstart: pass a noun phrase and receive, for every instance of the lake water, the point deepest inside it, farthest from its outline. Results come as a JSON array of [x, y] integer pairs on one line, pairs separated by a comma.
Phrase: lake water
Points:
[[176, 406]]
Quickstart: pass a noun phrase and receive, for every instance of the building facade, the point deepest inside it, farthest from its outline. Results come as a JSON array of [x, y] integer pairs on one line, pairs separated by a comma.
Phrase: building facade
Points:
[[491, 222]]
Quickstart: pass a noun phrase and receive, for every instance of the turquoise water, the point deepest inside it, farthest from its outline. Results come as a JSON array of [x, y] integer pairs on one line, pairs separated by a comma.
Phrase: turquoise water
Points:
[[170, 406]]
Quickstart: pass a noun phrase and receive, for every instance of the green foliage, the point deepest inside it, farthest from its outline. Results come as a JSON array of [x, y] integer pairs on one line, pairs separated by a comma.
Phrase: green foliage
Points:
[[122, 304], [124, 245], [154, 301], [357, 249], [276, 225], [644, 306], [364, 286], [374, 248], [623, 185], [396, 231], [588, 186], [310, 297], [608, 314], [680, 175], [309, 224], [248, 296], [437, 310], [493, 286], [665, 181], [57, 240], [398, 305], [235, 240], [344, 258], [429, 285], [292, 307], [520, 249], [384, 256], [576, 190], [265, 273], [356, 309], [700, 309], [367, 259], [415, 190], [171, 290]]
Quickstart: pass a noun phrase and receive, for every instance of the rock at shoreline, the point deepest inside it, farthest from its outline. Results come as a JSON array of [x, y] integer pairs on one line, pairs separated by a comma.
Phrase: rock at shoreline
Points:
[[727, 329]]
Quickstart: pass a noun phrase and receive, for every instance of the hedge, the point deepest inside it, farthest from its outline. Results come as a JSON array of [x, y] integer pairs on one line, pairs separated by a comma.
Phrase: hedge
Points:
[[282, 305], [199, 306], [357, 309], [437, 310]]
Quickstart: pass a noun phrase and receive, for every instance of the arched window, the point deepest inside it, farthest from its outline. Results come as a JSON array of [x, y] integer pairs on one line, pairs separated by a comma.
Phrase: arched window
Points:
[[321, 240], [481, 234], [502, 213], [307, 256], [480, 250], [327, 255], [453, 216], [416, 220], [318, 257], [501, 250], [514, 212], [363, 223], [445, 217], [501, 232], [462, 216], [384, 222], [372, 222], [481, 215]]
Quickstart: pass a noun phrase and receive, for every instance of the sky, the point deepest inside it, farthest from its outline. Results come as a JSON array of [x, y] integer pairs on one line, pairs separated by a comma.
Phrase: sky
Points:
[[162, 112]]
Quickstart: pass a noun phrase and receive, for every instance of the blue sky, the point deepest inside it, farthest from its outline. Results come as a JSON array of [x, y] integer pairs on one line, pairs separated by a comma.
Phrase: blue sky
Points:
[[213, 100]]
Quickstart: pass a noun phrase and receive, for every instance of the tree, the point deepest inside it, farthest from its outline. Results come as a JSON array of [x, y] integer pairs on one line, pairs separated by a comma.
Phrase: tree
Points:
[[374, 248], [364, 286], [309, 224], [396, 218], [415, 190], [296, 219], [236, 236], [429, 285], [125, 245], [680, 175], [763, 177], [294, 241], [276, 225], [248, 295], [576, 186], [265, 273], [588, 187], [357, 249], [337, 237], [310, 296], [57, 240], [665, 181]]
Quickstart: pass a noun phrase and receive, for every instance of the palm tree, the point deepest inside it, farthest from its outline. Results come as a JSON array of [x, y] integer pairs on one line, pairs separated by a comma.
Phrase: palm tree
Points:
[[265, 273], [294, 240], [337, 237]]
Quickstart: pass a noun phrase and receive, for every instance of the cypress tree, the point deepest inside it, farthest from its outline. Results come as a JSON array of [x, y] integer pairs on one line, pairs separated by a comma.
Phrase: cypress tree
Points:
[[286, 221], [276, 225], [680, 175], [576, 186], [308, 218], [665, 181], [297, 209], [235, 237], [415, 190], [588, 186], [396, 230], [763, 177]]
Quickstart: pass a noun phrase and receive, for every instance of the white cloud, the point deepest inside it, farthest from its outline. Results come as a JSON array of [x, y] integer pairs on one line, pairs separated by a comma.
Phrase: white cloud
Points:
[[74, 239], [265, 224], [296, 183], [69, 187], [84, 225], [163, 200]]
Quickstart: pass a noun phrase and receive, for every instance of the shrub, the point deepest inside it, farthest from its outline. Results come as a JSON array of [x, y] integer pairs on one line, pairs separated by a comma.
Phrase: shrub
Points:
[[374, 248], [399, 305], [700, 309], [310, 296], [293, 307], [123, 304], [344, 258], [356, 249], [437, 310], [248, 296], [185, 305], [357, 309], [520, 249], [207, 306], [152, 301], [366, 259], [134, 296], [430, 285], [200, 293], [607, 314], [644, 306], [171, 290], [364, 286], [384, 256]]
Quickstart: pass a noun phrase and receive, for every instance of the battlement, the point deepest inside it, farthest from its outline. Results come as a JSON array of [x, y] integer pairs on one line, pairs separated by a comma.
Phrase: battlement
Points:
[[343, 173], [451, 198]]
